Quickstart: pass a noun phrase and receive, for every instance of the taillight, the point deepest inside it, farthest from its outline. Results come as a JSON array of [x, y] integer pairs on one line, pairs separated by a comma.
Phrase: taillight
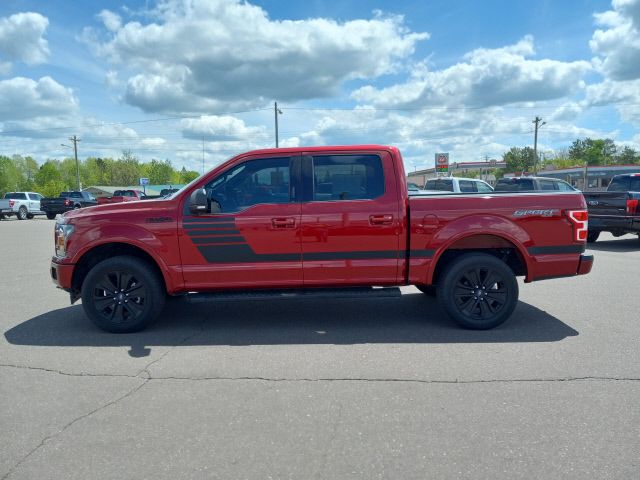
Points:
[[11, 203], [632, 207], [67, 202], [580, 220]]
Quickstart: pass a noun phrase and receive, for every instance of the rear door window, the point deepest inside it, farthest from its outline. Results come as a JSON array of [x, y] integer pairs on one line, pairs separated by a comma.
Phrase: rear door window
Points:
[[347, 177], [548, 185], [620, 184], [467, 186]]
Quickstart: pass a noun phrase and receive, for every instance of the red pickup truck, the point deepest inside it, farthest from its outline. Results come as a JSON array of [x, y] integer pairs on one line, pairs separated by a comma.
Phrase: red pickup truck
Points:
[[316, 221], [120, 196]]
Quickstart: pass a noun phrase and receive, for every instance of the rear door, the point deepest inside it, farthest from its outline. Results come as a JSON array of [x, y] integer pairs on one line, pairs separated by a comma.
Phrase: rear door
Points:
[[351, 221], [254, 238]]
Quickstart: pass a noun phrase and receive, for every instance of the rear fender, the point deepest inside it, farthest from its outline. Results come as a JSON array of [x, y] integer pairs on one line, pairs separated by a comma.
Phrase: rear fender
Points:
[[473, 232]]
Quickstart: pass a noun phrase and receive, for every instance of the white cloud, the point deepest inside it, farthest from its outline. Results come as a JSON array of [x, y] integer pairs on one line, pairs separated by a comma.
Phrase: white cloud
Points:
[[21, 38], [153, 141], [221, 128], [23, 98], [111, 20], [204, 55], [487, 77], [617, 44], [625, 95]]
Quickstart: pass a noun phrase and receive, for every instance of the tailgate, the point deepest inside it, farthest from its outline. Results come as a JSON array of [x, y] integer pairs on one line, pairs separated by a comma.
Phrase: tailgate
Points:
[[607, 203]]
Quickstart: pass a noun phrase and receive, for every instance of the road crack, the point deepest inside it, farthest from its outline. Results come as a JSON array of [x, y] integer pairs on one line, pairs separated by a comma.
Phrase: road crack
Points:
[[53, 436]]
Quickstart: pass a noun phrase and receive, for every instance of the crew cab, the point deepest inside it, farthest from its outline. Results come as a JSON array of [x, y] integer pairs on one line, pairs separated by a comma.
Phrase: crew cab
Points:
[[457, 185], [617, 210], [122, 196], [24, 205], [65, 202], [332, 221]]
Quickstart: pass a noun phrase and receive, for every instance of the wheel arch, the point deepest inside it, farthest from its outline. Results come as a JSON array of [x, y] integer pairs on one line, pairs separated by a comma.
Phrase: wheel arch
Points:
[[508, 250], [96, 254]]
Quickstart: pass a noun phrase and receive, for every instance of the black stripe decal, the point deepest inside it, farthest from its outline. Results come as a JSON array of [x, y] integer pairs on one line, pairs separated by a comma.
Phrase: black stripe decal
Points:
[[425, 253], [193, 226], [243, 254], [192, 220], [211, 232], [556, 249], [391, 254], [234, 239]]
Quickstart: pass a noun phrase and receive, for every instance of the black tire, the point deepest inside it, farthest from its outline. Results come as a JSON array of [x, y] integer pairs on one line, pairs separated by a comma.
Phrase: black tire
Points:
[[123, 294], [22, 213], [478, 291], [51, 216], [1, 216], [77, 206], [592, 236], [30, 216], [429, 290]]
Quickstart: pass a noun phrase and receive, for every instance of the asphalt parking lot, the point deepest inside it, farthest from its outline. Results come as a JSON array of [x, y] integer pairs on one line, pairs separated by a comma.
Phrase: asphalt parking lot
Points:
[[383, 388]]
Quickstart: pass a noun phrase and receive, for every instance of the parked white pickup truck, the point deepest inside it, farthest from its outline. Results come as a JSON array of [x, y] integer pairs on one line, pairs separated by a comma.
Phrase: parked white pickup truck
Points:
[[21, 204], [457, 185]]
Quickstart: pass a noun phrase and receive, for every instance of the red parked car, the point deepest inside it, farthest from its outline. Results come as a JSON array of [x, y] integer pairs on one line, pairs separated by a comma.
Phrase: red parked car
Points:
[[304, 220]]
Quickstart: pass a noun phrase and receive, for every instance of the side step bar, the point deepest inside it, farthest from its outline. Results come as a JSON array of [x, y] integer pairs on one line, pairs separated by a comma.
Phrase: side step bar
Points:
[[328, 293]]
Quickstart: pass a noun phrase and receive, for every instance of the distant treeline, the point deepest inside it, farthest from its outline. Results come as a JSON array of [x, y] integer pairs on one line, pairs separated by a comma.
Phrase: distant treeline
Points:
[[18, 173]]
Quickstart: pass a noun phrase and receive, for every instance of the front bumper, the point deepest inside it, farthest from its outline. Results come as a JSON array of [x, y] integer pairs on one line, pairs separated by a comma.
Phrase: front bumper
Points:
[[61, 274]]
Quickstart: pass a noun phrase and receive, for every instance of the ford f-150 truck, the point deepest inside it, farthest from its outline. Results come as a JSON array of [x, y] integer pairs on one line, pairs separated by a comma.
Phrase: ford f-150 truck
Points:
[[120, 196], [65, 202], [617, 210], [21, 204], [316, 221]]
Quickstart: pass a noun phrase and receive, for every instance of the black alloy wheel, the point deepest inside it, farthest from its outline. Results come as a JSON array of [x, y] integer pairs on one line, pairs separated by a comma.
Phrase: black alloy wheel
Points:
[[122, 294], [478, 291]]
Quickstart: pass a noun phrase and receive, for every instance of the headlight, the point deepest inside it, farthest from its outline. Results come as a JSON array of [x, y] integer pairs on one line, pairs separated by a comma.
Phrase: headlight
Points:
[[61, 237]]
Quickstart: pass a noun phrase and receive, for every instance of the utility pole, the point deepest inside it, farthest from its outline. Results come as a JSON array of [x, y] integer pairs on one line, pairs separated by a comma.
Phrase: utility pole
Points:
[[535, 143], [75, 141], [276, 112]]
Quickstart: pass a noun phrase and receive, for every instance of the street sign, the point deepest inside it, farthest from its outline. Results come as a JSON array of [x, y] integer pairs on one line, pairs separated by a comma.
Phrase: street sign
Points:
[[144, 181], [442, 163]]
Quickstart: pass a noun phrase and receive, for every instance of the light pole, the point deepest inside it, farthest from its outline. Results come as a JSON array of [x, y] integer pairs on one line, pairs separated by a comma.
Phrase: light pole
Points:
[[535, 143], [276, 112], [75, 141]]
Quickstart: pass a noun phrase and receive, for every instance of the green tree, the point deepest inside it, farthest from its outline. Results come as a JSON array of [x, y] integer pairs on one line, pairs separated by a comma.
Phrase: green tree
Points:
[[627, 156], [593, 151], [126, 170], [518, 159], [160, 173], [187, 176], [9, 175]]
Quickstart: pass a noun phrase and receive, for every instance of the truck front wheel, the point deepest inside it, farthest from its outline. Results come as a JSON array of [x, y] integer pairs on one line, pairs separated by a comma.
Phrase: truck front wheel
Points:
[[122, 294], [51, 215], [478, 291]]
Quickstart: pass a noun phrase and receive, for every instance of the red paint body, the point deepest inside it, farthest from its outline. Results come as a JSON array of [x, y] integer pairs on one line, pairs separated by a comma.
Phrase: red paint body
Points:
[[393, 239]]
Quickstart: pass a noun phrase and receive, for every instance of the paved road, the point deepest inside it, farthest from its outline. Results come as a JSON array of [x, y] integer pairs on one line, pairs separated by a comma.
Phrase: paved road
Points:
[[299, 389]]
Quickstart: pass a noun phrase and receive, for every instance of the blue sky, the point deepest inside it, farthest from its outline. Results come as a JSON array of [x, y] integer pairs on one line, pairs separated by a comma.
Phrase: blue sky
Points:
[[187, 79]]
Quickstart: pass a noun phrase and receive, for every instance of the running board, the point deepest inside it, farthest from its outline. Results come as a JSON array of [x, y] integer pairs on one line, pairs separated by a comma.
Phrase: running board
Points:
[[328, 293]]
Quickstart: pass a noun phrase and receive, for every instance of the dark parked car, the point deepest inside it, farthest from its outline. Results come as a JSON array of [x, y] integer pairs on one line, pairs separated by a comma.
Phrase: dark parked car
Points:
[[617, 210], [529, 184], [65, 202]]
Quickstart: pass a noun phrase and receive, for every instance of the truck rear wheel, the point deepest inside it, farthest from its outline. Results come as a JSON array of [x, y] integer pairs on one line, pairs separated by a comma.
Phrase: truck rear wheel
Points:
[[592, 236], [22, 213], [51, 216], [122, 294], [478, 291]]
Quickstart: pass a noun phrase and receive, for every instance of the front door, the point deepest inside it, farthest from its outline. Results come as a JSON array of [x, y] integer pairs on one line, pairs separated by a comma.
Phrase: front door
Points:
[[250, 234], [351, 221]]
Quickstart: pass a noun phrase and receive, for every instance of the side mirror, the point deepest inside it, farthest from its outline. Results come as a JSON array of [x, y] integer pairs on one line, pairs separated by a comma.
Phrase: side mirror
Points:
[[198, 201]]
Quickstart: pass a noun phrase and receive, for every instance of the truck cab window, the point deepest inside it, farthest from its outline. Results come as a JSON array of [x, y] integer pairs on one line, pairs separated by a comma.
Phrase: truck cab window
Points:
[[347, 177], [251, 183]]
